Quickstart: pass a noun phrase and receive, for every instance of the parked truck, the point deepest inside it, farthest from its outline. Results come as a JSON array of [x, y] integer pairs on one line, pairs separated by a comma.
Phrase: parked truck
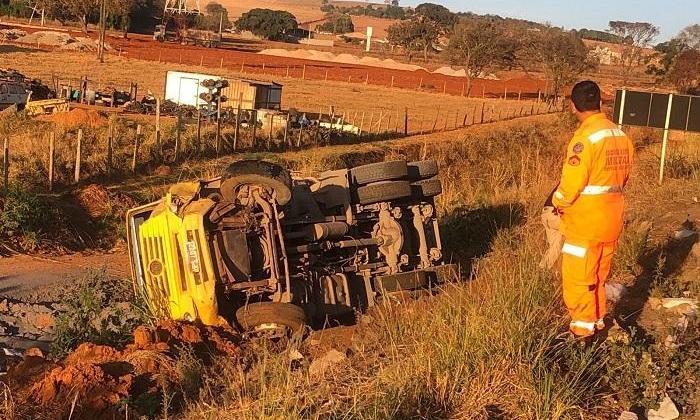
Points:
[[269, 252]]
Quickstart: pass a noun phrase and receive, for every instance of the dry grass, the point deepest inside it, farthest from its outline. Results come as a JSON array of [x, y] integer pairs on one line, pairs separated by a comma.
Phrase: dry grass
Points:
[[426, 110]]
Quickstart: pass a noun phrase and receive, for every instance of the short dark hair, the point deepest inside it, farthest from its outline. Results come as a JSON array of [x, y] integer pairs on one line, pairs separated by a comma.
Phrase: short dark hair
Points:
[[586, 96]]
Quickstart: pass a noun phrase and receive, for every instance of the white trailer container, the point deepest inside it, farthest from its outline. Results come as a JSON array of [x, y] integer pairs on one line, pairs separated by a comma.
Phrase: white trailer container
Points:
[[184, 88]]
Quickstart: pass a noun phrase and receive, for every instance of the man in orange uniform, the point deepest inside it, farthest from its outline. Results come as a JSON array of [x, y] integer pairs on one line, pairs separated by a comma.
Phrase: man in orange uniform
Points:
[[589, 197]]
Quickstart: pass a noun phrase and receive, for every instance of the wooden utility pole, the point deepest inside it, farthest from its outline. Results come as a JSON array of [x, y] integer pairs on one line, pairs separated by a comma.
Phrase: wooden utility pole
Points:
[[103, 29]]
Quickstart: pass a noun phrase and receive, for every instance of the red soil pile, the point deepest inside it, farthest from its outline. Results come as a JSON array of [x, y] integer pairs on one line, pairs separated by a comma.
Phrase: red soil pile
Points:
[[98, 201], [76, 118], [98, 379]]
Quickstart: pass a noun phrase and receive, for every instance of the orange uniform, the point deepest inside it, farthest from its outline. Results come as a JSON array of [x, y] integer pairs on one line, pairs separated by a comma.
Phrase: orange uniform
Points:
[[595, 172]]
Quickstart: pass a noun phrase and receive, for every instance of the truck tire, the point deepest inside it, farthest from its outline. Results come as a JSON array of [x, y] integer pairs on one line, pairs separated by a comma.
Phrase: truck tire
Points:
[[426, 188], [256, 172], [377, 172], [422, 169], [383, 191], [279, 319]]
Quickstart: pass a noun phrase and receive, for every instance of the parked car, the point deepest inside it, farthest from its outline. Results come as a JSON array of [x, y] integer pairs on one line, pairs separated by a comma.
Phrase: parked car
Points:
[[269, 252], [12, 93]]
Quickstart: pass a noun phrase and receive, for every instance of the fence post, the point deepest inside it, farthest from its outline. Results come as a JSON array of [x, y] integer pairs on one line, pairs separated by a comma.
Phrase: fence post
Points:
[[286, 132], [466, 114], [158, 122], [237, 131], [392, 81], [405, 121], [447, 116], [6, 164], [52, 156], [254, 117], [178, 128], [218, 119], [371, 120], [78, 155], [272, 125], [483, 104], [437, 116], [199, 131], [136, 148], [301, 131], [110, 146], [362, 124], [303, 73]]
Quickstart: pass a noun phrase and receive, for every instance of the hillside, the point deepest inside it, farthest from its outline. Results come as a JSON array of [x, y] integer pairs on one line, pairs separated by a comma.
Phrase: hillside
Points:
[[304, 10]]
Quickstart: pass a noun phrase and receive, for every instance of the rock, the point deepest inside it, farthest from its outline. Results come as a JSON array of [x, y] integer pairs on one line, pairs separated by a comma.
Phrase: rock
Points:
[[294, 355], [683, 306], [667, 411], [696, 250], [683, 234], [163, 170], [628, 415], [34, 352], [319, 366], [615, 291]]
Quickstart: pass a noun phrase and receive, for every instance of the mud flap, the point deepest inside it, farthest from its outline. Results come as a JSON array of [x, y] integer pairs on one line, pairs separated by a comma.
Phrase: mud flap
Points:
[[401, 282], [448, 273]]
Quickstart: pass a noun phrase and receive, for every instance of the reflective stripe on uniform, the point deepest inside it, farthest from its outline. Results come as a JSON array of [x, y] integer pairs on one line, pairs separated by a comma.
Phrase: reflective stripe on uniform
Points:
[[602, 134], [588, 326], [559, 196], [576, 251], [601, 189]]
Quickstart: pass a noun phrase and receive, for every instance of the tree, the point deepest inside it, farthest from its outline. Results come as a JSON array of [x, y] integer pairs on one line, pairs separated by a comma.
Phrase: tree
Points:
[[476, 43], [339, 24], [411, 35], [685, 72], [690, 36], [562, 55], [437, 21], [215, 16], [666, 53], [266, 23], [634, 37], [441, 15]]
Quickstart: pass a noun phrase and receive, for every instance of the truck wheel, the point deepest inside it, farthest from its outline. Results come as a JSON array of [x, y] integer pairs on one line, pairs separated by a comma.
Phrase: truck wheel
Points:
[[376, 172], [256, 172], [426, 188], [271, 319], [383, 191], [422, 169]]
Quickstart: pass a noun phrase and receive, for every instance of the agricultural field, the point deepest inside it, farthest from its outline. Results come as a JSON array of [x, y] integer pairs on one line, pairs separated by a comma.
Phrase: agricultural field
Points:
[[490, 345]]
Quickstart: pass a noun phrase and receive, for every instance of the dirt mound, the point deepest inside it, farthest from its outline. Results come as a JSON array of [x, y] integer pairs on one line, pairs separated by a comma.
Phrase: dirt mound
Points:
[[99, 202], [11, 34], [76, 117], [303, 54], [97, 379], [51, 38]]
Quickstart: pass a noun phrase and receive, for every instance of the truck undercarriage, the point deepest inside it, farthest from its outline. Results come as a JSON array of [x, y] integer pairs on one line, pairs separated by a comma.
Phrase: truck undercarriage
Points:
[[270, 253]]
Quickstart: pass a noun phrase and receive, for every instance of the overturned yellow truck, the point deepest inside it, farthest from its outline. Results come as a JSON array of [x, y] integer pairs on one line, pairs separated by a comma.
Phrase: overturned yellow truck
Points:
[[271, 253]]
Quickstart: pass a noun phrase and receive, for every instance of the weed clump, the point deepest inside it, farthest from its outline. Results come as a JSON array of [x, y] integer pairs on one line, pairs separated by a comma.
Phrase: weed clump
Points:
[[98, 311]]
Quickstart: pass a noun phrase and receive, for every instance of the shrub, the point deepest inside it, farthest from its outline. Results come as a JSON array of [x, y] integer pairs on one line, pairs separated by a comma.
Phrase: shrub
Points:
[[23, 212], [98, 312]]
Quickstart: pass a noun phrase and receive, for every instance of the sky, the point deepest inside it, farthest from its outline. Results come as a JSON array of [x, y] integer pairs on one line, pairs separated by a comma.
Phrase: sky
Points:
[[669, 16]]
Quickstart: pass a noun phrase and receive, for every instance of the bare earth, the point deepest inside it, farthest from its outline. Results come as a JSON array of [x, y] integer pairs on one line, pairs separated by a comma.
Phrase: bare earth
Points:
[[34, 279]]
